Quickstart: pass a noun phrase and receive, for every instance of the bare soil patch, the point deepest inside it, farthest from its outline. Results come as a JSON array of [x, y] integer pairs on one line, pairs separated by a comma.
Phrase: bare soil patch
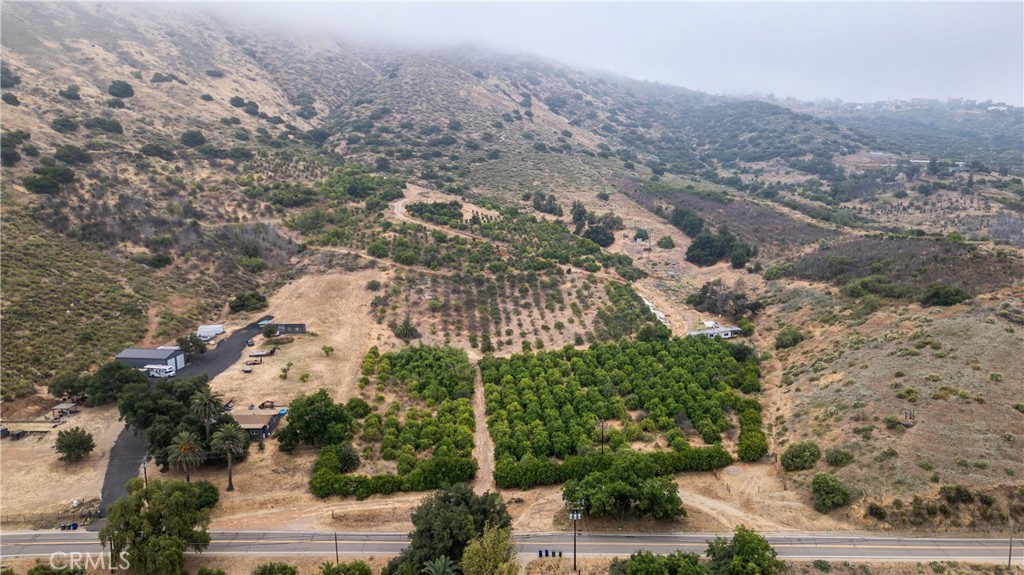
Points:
[[31, 463]]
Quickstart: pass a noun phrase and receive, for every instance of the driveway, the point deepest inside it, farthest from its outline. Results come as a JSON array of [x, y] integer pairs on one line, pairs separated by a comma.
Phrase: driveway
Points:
[[129, 450]]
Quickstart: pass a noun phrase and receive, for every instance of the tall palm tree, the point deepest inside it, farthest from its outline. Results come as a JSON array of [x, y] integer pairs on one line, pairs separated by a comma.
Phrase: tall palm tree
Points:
[[207, 405], [186, 453], [440, 566], [230, 440]]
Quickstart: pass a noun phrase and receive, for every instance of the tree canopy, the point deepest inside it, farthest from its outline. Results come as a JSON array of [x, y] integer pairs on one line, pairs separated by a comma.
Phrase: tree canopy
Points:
[[155, 525], [444, 525]]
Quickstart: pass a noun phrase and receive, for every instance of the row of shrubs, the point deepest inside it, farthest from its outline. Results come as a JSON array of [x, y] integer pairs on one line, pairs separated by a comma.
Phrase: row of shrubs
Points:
[[532, 471], [331, 478]]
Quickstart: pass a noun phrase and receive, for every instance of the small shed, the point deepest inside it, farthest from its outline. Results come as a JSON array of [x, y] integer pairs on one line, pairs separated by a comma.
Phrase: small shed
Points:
[[62, 409], [139, 357], [258, 423], [290, 328]]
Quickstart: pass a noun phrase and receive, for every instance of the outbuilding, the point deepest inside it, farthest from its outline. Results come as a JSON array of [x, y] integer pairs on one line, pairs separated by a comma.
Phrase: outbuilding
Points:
[[290, 328], [139, 357], [258, 423]]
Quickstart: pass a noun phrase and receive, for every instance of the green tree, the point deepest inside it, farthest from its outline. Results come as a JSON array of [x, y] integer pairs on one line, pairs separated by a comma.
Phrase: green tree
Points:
[[186, 453], [666, 243], [801, 455], [446, 522], [231, 440], [747, 553], [74, 444], [155, 525], [275, 569], [828, 492], [315, 418], [206, 405], [492, 554], [647, 563], [328, 350], [192, 346], [440, 566]]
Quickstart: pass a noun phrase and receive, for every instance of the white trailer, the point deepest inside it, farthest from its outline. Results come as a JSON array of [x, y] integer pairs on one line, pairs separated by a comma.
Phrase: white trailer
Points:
[[208, 332]]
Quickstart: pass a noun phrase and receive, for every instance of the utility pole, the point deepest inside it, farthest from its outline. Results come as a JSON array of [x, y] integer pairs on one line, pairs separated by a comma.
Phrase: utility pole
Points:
[[575, 514], [1009, 556], [337, 559]]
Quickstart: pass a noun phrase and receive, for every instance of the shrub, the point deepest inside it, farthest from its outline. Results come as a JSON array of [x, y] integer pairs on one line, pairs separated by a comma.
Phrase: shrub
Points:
[[193, 138], [72, 155], [822, 565], [156, 150], [248, 301], [70, 93], [828, 492], [8, 79], [237, 101], [838, 457], [275, 569], [206, 98], [10, 99], [956, 494], [215, 73], [120, 89], [802, 455], [877, 511], [115, 103], [64, 125], [788, 336], [104, 124], [666, 243], [207, 495], [940, 294]]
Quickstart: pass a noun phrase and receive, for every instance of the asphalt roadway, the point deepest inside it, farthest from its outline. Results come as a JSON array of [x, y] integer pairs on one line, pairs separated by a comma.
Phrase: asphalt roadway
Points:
[[789, 546], [129, 449]]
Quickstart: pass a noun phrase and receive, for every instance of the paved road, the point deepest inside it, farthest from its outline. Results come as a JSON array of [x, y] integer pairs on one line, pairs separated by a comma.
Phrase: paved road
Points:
[[129, 450], [800, 547]]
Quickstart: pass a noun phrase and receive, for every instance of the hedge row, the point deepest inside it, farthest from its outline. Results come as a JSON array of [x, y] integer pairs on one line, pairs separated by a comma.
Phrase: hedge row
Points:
[[532, 471], [432, 473]]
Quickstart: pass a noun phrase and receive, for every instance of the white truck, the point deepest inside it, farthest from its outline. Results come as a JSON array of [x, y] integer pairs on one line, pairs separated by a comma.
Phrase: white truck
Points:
[[209, 332], [160, 370]]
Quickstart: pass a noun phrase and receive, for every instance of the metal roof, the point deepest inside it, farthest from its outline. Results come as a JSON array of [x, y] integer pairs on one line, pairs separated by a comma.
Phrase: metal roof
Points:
[[141, 353]]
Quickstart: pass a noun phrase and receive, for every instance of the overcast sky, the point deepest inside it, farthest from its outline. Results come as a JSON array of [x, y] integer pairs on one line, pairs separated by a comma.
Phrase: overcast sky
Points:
[[863, 51]]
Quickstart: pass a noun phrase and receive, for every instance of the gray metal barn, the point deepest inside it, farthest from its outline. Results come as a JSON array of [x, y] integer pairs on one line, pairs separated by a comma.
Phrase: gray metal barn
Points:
[[139, 357]]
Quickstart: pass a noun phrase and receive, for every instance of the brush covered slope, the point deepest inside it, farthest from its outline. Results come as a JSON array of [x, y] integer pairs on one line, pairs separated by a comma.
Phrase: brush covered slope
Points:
[[156, 164]]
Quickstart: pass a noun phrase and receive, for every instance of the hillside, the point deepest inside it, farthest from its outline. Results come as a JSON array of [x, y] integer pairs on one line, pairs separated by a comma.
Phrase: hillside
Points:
[[158, 163]]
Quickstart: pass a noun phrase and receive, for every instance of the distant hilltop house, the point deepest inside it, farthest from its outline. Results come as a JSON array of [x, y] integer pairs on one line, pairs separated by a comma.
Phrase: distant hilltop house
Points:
[[713, 329], [140, 358]]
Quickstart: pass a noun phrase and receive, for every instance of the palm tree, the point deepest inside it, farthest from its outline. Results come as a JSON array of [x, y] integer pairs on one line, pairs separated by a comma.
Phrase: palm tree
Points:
[[440, 566], [207, 405], [229, 440], [185, 453]]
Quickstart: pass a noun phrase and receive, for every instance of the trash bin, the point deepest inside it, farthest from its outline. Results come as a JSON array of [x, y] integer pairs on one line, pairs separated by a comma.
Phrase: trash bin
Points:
[[559, 554], [74, 526], [540, 553], [545, 552]]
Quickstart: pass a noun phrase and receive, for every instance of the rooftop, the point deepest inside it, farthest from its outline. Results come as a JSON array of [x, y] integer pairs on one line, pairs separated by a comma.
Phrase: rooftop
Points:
[[141, 353]]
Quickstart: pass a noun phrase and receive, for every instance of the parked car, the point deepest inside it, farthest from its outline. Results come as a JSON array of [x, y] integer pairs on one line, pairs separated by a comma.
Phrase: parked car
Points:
[[250, 343]]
